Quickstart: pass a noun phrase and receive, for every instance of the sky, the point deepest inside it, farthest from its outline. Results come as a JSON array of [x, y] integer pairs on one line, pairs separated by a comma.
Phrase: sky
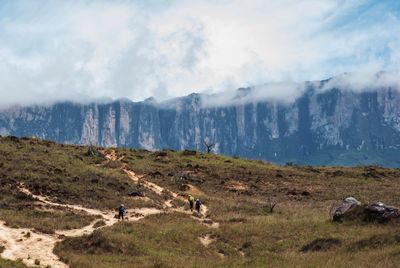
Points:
[[59, 50]]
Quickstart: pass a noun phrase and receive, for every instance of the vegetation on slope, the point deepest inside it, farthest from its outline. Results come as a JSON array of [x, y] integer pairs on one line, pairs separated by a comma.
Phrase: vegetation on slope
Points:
[[45, 221], [386, 158], [66, 174], [236, 192], [11, 264], [167, 240]]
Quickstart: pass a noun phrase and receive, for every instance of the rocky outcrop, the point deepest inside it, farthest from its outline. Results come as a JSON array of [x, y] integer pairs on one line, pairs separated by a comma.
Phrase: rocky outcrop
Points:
[[316, 128]]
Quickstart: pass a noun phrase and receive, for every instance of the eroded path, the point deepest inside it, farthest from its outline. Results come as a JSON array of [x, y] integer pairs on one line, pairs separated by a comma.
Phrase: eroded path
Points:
[[206, 240], [36, 249], [30, 247], [203, 217], [33, 247]]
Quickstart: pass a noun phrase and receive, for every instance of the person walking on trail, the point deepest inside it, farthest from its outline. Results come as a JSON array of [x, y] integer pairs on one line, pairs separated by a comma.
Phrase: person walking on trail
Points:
[[121, 212], [198, 205], [191, 202]]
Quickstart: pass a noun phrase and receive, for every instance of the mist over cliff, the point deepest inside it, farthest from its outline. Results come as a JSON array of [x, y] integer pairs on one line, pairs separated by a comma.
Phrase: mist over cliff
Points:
[[320, 126]]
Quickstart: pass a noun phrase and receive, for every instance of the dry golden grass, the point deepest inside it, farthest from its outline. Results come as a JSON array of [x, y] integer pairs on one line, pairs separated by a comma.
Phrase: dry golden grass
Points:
[[45, 221], [11, 264], [248, 236]]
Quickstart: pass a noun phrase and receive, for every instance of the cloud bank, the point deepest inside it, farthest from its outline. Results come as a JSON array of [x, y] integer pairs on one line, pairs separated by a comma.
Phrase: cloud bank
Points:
[[84, 50]]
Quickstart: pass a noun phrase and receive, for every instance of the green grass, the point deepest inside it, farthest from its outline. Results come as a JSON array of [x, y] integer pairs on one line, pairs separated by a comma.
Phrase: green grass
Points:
[[63, 172], [248, 236], [270, 240], [67, 175], [387, 157], [168, 240], [45, 221], [11, 264]]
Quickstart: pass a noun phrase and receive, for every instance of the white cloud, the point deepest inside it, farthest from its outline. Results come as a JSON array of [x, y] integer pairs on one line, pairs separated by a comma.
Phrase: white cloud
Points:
[[52, 51], [279, 92]]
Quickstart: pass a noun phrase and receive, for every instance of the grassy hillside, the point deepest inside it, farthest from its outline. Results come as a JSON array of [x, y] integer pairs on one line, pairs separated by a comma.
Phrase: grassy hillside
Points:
[[67, 174], [236, 192], [11, 264], [387, 157]]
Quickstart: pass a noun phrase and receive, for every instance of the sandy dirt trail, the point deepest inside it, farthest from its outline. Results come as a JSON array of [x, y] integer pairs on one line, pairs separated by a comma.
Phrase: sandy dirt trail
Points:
[[203, 217], [139, 179], [39, 247], [206, 240], [36, 247], [167, 205], [33, 247]]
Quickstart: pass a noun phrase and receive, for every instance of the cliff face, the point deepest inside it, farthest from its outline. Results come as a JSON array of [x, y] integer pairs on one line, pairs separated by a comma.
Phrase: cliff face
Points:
[[331, 127]]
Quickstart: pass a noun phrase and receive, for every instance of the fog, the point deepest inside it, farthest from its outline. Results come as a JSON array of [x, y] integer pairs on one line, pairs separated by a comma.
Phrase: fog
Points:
[[85, 51]]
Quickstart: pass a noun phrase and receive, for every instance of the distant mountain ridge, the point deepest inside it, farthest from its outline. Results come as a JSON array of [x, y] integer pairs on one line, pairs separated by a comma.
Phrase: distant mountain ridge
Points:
[[332, 127]]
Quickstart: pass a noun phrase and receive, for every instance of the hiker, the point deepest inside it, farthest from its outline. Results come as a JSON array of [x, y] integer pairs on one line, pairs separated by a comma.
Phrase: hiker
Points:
[[198, 204], [191, 202], [121, 212]]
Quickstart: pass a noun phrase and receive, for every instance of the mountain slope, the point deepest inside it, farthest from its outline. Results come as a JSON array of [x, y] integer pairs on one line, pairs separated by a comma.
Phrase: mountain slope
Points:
[[51, 194], [318, 124]]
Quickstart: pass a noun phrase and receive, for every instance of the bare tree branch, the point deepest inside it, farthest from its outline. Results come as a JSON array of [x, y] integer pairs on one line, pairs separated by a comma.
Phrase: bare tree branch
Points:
[[209, 145], [92, 151], [271, 204]]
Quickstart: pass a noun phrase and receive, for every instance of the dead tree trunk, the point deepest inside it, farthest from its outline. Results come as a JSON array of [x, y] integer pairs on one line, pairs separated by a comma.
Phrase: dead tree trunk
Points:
[[209, 145], [271, 204], [92, 151]]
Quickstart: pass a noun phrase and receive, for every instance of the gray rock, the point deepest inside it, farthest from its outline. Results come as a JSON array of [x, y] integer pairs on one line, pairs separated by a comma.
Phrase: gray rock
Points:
[[337, 127]]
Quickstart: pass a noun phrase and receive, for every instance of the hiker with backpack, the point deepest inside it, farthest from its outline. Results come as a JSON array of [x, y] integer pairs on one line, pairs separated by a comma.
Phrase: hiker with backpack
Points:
[[121, 212], [198, 205], [191, 202]]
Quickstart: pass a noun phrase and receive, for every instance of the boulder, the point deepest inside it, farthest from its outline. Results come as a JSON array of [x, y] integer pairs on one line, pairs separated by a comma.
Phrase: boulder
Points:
[[348, 205], [137, 193], [380, 212]]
